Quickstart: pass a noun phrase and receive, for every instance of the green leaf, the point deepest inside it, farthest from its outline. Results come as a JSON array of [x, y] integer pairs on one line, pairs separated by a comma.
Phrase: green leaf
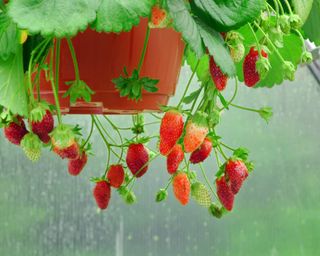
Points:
[[78, 90], [192, 96], [8, 37], [203, 67], [217, 48], [228, 14], [311, 26], [12, 89], [291, 51], [59, 18], [132, 86], [124, 13], [302, 8], [184, 23]]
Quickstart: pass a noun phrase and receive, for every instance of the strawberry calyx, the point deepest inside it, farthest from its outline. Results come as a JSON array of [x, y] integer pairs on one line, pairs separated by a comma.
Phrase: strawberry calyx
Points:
[[38, 111], [63, 135]]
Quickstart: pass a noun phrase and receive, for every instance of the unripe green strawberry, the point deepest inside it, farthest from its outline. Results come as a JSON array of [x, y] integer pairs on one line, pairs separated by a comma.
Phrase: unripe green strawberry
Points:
[[181, 188], [237, 52], [171, 129], [196, 131], [200, 194], [31, 146]]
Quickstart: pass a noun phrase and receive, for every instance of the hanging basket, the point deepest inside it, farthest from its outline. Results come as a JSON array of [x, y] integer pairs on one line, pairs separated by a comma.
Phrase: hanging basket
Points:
[[103, 56]]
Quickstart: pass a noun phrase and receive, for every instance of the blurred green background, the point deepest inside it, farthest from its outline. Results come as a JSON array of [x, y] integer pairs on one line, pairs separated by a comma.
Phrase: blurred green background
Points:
[[44, 211]]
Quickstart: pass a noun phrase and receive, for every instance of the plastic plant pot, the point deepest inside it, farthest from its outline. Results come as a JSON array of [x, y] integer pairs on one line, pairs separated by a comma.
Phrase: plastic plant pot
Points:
[[103, 56]]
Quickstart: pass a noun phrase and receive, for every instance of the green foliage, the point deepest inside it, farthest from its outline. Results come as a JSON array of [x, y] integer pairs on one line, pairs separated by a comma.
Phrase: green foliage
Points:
[[184, 23], [217, 48], [13, 94], [132, 86], [78, 90], [302, 8], [227, 15], [124, 13], [8, 37], [57, 18], [203, 66], [291, 52], [311, 26]]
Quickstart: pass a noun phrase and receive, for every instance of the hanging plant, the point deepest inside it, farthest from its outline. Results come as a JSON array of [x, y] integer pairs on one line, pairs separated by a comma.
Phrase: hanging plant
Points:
[[125, 58]]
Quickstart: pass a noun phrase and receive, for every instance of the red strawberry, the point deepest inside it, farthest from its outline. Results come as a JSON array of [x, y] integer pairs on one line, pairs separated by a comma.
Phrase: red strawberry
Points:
[[64, 143], [43, 127], [251, 75], [219, 79], [115, 175], [159, 17], [70, 152], [170, 131], [174, 159], [196, 132], [236, 172], [181, 188], [75, 166], [202, 152], [137, 159], [15, 131], [225, 194], [102, 193]]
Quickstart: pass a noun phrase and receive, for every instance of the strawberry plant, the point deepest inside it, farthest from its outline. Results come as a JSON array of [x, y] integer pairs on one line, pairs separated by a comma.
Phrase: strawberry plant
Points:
[[257, 42]]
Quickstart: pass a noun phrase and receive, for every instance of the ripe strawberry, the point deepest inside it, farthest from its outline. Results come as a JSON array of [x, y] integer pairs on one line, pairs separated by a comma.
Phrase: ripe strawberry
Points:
[[115, 175], [224, 192], [171, 129], [31, 146], [137, 159], [102, 193], [159, 17], [200, 194], [181, 188], [75, 166], [43, 127], [174, 159], [251, 75], [220, 80], [196, 132], [15, 131], [202, 152], [236, 173], [70, 152], [64, 143]]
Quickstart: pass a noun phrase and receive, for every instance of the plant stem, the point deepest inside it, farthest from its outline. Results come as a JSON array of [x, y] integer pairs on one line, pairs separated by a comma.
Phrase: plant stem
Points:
[[245, 108], [301, 38], [217, 157], [257, 41], [226, 146], [207, 181], [90, 133], [289, 6], [144, 50], [270, 42], [169, 182], [222, 153], [235, 91], [55, 83], [74, 59], [188, 84], [119, 134]]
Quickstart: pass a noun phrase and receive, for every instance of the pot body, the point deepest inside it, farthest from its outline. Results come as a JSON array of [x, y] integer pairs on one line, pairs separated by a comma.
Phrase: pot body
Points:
[[103, 56]]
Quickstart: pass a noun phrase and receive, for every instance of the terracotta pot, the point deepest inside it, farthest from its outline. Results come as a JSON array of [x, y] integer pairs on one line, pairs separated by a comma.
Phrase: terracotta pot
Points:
[[102, 57]]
